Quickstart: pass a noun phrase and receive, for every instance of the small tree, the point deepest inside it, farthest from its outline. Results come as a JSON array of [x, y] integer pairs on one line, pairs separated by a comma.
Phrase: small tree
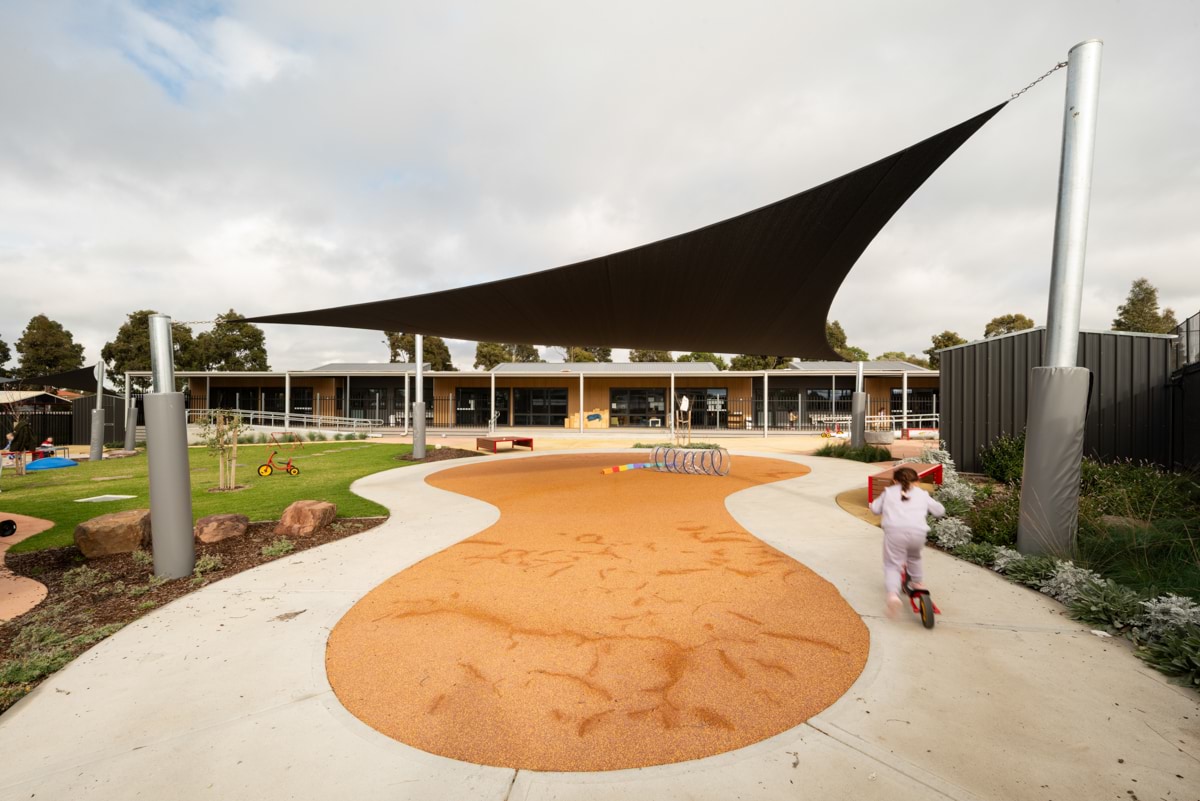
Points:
[[220, 432], [232, 344], [1140, 312], [5, 355], [130, 350]]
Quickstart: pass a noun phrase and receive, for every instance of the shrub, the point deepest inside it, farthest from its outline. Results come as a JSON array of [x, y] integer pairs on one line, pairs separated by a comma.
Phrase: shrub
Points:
[[867, 453], [936, 456], [1107, 603], [980, 553], [1156, 557], [1004, 459], [84, 577], [1067, 582], [956, 495], [142, 558], [1138, 491], [279, 547], [1176, 654], [1003, 557], [208, 564], [995, 520], [1032, 571], [950, 533], [1165, 615]]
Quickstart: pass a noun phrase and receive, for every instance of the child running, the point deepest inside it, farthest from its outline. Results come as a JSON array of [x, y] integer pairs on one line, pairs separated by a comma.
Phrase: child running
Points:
[[904, 507]]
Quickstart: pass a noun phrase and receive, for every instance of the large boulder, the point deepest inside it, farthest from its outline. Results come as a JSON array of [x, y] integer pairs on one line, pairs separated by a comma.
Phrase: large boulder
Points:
[[304, 517], [215, 528], [119, 532]]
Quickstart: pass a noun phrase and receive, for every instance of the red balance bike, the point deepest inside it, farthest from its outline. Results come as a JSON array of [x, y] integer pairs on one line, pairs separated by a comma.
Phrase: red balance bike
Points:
[[270, 467], [920, 601]]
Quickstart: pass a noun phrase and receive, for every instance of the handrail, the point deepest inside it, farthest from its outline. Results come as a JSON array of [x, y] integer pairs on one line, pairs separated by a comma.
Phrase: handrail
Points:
[[252, 417]]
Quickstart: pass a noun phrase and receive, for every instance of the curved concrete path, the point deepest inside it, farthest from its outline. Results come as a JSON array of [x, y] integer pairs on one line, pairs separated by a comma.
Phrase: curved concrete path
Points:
[[223, 695]]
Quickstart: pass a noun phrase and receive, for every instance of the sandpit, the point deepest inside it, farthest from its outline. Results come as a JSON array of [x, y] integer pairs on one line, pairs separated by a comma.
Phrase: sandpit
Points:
[[604, 622]]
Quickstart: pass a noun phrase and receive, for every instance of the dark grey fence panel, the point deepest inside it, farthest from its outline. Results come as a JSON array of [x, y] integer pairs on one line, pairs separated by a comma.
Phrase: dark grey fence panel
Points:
[[985, 387], [81, 419]]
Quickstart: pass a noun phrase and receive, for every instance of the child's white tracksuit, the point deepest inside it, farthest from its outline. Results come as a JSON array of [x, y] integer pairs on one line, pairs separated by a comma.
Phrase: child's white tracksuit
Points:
[[904, 531]]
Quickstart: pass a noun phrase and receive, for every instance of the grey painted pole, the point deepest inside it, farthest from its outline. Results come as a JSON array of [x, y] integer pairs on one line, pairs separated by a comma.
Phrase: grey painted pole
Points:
[[671, 416], [287, 401], [418, 450], [858, 412], [766, 403], [130, 425], [492, 405], [1058, 392], [96, 452], [166, 452], [903, 401], [581, 401]]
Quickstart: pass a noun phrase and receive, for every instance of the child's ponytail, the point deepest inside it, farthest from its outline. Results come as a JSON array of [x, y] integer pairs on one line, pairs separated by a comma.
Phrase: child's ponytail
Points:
[[906, 477]]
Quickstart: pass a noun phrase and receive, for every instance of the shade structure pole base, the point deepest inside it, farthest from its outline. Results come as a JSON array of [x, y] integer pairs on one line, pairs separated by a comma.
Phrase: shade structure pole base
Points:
[[130, 427], [96, 453], [418, 451], [170, 485], [1058, 399], [858, 419]]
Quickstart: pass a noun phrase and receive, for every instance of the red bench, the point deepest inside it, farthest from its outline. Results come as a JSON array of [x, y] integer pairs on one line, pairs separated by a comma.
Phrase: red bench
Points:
[[482, 443], [928, 473]]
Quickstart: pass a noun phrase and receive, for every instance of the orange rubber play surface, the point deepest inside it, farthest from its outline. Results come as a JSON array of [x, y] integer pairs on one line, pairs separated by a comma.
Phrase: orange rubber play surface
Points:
[[604, 622]]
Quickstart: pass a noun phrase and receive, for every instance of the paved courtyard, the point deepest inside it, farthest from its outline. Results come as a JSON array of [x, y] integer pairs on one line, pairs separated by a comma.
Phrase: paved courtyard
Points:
[[224, 694]]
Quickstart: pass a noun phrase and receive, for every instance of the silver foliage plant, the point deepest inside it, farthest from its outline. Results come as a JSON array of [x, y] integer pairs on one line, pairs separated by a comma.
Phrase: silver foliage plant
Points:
[[1067, 581], [955, 489], [951, 532], [936, 456], [1164, 615], [1005, 557]]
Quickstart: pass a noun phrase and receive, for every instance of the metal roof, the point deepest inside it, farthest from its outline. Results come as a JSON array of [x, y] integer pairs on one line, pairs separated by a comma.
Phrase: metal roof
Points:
[[366, 367], [601, 368], [887, 365]]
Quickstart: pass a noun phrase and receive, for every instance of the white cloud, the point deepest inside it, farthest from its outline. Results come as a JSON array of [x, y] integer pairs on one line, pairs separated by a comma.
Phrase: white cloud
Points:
[[286, 155]]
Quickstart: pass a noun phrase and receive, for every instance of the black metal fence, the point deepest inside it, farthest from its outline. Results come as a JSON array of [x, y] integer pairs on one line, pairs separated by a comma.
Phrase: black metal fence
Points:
[[43, 421], [1187, 346]]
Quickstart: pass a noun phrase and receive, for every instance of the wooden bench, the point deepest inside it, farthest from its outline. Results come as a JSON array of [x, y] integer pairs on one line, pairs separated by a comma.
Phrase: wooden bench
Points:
[[482, 443], [926, 473]]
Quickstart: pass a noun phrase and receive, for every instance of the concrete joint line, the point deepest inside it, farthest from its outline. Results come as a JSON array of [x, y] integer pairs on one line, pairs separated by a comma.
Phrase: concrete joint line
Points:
[[936, 784], [511, 784]]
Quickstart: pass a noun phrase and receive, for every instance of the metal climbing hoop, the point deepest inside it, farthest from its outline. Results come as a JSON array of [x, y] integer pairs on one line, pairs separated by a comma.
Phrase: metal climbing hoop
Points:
[[692, 461]]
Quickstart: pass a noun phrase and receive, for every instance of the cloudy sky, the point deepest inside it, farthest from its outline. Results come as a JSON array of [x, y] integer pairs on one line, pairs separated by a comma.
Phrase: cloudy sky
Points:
[[280, 155]]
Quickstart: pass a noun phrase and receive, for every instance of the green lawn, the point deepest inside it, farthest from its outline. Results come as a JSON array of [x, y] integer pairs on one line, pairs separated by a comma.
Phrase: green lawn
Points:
[[326, 471]]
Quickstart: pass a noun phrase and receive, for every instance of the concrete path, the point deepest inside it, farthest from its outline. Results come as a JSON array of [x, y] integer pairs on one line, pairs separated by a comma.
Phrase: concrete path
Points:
[[222, 694]]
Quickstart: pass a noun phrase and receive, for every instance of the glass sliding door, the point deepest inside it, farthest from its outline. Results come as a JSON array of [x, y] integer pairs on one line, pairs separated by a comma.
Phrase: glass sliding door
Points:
[[539, 406], [637, 407]]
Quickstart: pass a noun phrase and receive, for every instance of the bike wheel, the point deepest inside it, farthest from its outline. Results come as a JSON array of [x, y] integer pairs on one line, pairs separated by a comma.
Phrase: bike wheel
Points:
[[926, 610], [293, 470], [264, 470]]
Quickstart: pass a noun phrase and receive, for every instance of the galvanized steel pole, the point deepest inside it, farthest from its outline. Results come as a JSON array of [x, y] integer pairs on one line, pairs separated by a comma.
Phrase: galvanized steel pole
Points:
[[1074, 194]]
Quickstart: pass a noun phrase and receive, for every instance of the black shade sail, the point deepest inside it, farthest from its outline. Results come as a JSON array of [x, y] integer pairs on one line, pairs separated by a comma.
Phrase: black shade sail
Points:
[[761, 282], [82, 379]]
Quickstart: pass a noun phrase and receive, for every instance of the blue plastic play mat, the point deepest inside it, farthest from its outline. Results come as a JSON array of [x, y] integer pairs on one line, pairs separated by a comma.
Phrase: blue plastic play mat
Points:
[[50, 462]]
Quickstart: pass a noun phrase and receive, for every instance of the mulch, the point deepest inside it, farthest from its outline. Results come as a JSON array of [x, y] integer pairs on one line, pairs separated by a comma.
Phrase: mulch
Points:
[[434, 454]]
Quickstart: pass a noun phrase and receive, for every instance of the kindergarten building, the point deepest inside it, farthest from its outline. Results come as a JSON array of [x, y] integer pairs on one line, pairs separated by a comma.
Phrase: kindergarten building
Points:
[[581, 396]]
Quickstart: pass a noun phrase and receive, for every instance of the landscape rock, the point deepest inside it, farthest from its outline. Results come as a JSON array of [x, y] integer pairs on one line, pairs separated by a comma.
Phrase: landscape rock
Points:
[[215, 528], [304, 517], [119, 532]]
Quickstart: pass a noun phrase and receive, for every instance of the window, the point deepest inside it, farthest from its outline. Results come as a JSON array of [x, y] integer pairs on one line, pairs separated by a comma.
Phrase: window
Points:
[[637, 407], [539, 406], [709, 406], [369, 402], [245, 398]]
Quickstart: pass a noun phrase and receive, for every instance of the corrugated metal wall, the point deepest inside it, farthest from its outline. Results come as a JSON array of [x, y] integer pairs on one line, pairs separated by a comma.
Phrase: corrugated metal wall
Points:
[[81, 419], [1185, 403], [984, 389]]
